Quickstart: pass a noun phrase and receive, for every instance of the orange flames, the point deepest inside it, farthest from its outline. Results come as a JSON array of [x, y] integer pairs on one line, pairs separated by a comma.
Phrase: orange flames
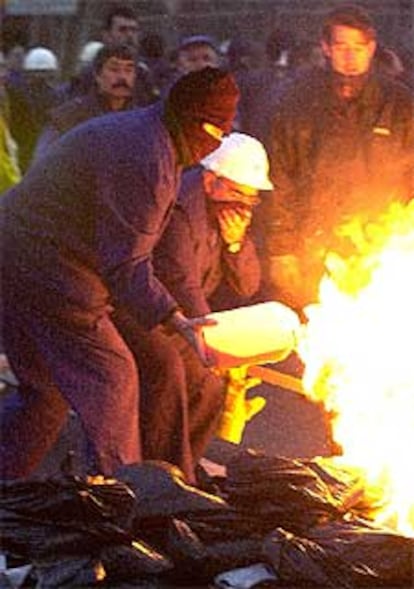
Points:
[[358, 352]]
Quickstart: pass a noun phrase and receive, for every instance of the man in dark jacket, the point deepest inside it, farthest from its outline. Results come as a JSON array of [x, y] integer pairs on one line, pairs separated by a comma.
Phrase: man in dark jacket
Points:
[[207, 243], [120, 25], [341, 147], [78, 233], [114, 74]]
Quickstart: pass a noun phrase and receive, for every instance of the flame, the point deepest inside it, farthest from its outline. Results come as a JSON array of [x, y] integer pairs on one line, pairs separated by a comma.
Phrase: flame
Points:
[[357, 348]]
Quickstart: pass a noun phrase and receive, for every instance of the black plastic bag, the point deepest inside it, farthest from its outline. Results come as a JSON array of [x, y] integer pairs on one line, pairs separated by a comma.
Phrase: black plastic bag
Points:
[[69, 572], [196, 562], [280, 492], [161, 491], [136, 561], [69, 498], [298, 560], [388, 555]]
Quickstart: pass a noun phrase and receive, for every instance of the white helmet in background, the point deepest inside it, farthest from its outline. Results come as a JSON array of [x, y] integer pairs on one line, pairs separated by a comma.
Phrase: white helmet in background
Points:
[[88, 52], [242, 159], [40, 59]]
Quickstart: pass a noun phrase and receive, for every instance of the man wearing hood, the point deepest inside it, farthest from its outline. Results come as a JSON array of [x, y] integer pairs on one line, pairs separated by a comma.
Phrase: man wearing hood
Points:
[[340, 147], [78, 234]]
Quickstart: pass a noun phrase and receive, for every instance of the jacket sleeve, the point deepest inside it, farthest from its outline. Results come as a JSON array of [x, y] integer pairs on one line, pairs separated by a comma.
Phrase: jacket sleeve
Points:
[[48, 136], [138, 290], [136, 199], [280, 210], [242, 270], [177, 267]]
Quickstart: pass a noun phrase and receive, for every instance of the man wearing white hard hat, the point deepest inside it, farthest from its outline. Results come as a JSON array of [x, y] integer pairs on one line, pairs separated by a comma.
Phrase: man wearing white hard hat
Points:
[[31, 101], [207, 243]]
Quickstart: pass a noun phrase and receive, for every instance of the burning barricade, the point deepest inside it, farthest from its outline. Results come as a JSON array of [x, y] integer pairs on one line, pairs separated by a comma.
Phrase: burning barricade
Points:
[[358, 358], [342, 522]]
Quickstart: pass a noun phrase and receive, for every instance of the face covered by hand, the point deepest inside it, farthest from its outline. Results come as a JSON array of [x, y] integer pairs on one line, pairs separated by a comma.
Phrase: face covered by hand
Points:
[[231, 204], [199, 111]]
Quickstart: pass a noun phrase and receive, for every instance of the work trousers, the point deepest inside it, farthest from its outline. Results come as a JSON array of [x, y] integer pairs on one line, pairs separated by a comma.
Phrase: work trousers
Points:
[[82, 365], [181, 400], [89, 366]]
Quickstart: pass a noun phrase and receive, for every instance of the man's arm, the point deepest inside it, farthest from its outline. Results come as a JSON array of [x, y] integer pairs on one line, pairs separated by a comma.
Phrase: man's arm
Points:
[[176, 265]]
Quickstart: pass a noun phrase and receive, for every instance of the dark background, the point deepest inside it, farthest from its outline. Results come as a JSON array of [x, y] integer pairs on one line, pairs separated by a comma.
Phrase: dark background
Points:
[[65, 25]]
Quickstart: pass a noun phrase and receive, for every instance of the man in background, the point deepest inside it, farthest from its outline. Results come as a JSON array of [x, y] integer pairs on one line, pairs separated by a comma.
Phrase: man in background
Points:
[[341, 148], [196, 52], [32, 99], [114, 75], [120, 26]]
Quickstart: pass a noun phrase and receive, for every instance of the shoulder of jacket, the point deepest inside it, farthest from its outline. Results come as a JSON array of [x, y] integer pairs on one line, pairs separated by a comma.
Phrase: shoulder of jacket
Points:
[[304, 86], [73, 111], [394, 92], [191, 195]]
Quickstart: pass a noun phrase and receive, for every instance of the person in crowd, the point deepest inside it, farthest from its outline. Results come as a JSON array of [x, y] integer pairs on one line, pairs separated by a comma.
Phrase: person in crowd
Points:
[[261, 86], [9, 166], [207, 241], [305, 55], [88, 53], [78, 83], [78, 234], [340, 147], [31, 101], [153, 53], [196, 52], [120, 26], [115, 73], [192, 54], [15, 64]]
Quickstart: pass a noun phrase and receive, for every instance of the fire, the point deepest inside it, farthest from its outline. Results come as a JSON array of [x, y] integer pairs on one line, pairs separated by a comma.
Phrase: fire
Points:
[[357, 348]]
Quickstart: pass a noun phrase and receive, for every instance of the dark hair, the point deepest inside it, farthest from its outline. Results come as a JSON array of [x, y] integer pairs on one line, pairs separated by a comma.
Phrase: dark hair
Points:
[[349, 15], [277, 42], [152, 45], [119, 50], [123, 10]]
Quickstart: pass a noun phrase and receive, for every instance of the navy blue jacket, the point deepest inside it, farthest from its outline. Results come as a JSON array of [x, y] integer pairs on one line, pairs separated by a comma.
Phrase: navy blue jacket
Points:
[[80, 228], [191, 258]]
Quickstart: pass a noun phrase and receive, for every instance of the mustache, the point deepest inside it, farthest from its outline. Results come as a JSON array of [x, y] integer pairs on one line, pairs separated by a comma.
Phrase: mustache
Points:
[[122, 84]]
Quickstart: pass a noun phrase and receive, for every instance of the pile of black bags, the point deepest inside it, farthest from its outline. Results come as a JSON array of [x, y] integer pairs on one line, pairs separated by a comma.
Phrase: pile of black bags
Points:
[[308, 520]]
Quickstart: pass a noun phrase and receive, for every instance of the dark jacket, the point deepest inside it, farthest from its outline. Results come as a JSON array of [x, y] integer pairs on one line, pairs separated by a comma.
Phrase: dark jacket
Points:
[[72, 113], [331, 160], [29, 109], [191, 258], [79, 230]]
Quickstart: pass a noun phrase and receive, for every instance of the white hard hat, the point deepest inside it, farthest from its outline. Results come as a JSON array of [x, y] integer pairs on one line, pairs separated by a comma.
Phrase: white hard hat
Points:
[[40, 59], [88, 52], [242, 159]]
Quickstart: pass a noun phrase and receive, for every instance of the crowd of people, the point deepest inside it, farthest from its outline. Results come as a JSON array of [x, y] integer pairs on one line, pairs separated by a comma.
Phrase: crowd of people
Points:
[[147, 191]]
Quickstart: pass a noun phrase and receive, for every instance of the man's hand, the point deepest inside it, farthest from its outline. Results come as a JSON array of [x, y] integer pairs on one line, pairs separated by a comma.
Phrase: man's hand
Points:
[[192, 331], [233, 223]]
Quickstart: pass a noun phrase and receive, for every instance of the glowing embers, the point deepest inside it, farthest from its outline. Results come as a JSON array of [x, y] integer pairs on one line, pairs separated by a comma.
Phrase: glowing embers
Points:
[[357, 348]]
